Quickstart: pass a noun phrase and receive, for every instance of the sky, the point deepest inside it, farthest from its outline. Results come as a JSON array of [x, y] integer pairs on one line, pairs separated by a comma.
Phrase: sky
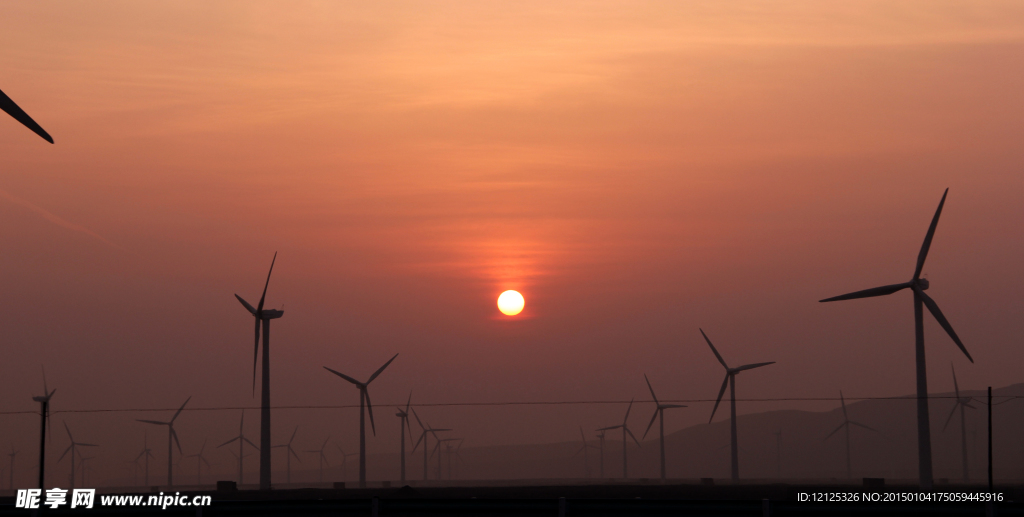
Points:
[[636, 170]]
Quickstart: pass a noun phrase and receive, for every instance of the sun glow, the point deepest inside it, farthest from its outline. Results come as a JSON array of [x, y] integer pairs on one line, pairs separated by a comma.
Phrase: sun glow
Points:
[[511, 303]]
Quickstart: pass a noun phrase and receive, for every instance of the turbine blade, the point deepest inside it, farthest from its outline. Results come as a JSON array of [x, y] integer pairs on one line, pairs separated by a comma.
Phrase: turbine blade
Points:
[[407, 406], [719, 356], [629, 407], [292, 452], [934, 309], [928, 238], [259, 308], [843, 402], [858, 424], [248, 307], [255, 355], [293, 435], [950, 417], [151, 422], [653, 418], [68, 430], [86, 445], [343, 376], [834, 432], [630, 433], [65, 453], [15, 111], [751, 366], [369, 409], [181, 408], [609, 428], [418, 421], [381, 369], [955, 385], [422, 436], [176, 442], [868, 293], [250, 443], [229, 441], [718, 401], [655, 397]]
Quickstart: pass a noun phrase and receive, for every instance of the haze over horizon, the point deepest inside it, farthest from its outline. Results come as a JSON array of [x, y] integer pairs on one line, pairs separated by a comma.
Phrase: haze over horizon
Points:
[[635, 171]]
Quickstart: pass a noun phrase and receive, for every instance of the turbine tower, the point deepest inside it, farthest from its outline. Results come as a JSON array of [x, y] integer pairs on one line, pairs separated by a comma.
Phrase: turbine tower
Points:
[[918, 285], [263, 316], [625, 431], [242, 440], [200, 460], [145, 455], [730, 380], [322, 457], [170, 435], [659, 412], [600, 439], [403, 424], [10, 476], [288, 453], [846, 425], [44, 412], [423, 438], [344, 461], [583, 449], [73, 448], [13, 110], [364, 406], [962, 403]]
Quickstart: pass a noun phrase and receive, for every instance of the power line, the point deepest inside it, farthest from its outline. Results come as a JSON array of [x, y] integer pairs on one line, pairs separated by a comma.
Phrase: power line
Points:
[[1007, 398]]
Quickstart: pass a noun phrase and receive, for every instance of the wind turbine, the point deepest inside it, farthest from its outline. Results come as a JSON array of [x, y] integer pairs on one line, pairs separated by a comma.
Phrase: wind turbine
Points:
[[44, 412], [625, 431], [730, 380], [344, 461], [288, 453], [600, 439], [403, 415], [263, 316], [200, 460], [423, 438], [10, 477], [72, 449], [13, 110], [170, 434], [364, 406], [846, 425], [448, 452], [961, 402], [918, 285], [322, 457], [145, 455], [583, 449], [659, 413], [778, 452], [242, 440], [85, 467]]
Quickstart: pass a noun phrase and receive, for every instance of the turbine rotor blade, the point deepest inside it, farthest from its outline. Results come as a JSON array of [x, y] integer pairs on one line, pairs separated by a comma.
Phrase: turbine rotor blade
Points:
[[630, 433], [381, 369], [627, 412], [719, 356], [229, 441], [653, 418], [369, 409], [293, 436], [151, 422], [834, 432], [868, 293], [950, 417], [245, 304], [176, 442], [418, 421], [843, 402], [751, 366], [259, 308], [955, 385], [655, 397], [934, 309], [718, 401], [343, 376], [928, 237], [179, 410], [255, 354], [422, 436], [19, 114], [407, 406], [858, 424], [250, 443]]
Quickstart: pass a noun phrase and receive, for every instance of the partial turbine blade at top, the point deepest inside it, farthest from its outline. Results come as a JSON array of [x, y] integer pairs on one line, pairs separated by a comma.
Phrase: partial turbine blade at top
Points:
[[868, 293], [934, 309], [752, 366], [653, 418], [928, 238], [955, 385], [843, 402], [719, 356], [381, 369], [343, 376], [950, 417], [15, 111], [629, 407], [718, 401], [248, 307], [369, 409], [655, 397], [181, 408], [263, 297]]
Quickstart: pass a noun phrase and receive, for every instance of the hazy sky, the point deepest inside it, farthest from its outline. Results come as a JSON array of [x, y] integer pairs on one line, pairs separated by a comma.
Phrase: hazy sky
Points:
[[636, 170]]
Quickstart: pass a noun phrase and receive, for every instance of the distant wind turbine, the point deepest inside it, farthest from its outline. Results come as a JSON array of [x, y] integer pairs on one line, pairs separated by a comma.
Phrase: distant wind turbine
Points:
[[625, 431], [423, 438], [403, 416], [962, 403], [730, 380], [145, 455], [584, 449], [288, 453], [200, 461], [15, 111], [263, 316], [242, 440], [778, 452], [321, 456], [364, 407], [659, 411], [344, 461], [72, 449], [170, 435], [44, 412], [918, 285], [600, 439], [10, 477], [846, 425]]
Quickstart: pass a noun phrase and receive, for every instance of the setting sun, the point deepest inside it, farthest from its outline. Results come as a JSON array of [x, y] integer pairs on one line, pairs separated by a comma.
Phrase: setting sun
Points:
[[511, 303]]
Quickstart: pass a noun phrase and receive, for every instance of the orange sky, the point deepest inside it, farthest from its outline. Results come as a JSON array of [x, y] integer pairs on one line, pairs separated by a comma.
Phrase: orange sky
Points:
[[636, 170]]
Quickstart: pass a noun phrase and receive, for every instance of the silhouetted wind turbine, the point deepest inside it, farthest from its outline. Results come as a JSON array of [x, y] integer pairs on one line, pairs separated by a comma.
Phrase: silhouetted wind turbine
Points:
[[263, 316], [659, 411], [918, 285], [344, 461], [846, 425], [600, 439], [145, 455], [242, 440], [288, 453], [200, 460], [583, 449], [423, 438], [44, 412], [364, 406], [625, 431], [778, 452], [322, 457], [404, 423], [730, 380], [72, 449], [13, 110], [962, 403], [170, 435], [10, 477]]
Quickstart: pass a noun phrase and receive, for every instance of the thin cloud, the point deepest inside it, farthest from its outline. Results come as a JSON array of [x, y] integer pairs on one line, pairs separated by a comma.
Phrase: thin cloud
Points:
[[49, 216]]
